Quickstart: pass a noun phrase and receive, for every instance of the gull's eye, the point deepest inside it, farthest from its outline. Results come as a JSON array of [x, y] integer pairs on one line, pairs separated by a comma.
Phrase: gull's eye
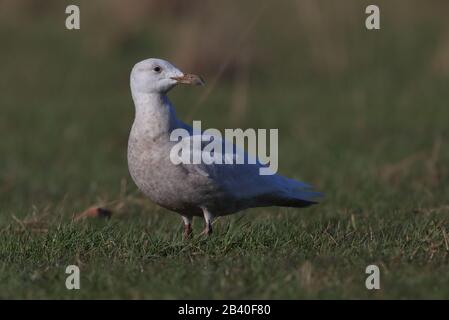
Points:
[[157, 69]]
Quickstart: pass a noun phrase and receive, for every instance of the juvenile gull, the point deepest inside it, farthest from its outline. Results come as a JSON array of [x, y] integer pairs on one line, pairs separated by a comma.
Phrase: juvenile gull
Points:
[[207, 190]]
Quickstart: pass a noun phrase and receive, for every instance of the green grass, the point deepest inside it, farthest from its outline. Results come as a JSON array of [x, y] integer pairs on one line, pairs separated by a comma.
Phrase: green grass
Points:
[[269, 256], [372, 137]]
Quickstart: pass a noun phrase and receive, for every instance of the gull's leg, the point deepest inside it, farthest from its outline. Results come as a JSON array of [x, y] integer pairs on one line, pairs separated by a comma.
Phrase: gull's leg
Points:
[[187, 226], [208, 222]]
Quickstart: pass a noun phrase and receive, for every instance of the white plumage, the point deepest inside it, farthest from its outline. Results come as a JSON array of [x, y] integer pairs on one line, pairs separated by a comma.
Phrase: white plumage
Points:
[[207, 190]]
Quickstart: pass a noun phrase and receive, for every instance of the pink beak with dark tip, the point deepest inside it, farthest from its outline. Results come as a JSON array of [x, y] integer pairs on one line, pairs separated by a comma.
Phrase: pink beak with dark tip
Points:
[[191, 79]]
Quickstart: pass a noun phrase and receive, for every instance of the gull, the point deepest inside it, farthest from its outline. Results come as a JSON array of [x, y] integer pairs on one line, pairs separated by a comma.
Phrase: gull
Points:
[[204, 190]]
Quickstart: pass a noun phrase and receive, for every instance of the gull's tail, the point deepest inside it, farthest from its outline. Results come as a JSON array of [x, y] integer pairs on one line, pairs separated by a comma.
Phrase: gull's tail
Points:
[[297, 194]]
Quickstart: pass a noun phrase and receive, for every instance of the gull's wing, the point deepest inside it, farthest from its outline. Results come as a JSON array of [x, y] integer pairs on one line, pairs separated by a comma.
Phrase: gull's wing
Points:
[[243, 183]]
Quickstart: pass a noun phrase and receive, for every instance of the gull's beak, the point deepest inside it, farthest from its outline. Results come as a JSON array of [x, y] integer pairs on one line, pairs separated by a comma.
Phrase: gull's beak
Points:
[[192, 79]]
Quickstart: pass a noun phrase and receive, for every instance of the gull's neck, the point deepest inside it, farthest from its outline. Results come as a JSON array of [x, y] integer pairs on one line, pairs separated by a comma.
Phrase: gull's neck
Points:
[[155, 115]]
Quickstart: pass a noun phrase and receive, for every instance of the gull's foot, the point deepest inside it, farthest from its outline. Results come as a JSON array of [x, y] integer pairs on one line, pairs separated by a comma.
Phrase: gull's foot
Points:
[[187, 231], [207, 230], [187, 226], [207, 222]]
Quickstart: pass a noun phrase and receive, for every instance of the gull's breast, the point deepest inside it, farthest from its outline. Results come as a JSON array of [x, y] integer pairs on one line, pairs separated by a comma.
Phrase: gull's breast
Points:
[[168, 185]]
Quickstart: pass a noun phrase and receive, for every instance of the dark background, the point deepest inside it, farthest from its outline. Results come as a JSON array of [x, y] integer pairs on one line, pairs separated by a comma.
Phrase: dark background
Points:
[[361, 114]]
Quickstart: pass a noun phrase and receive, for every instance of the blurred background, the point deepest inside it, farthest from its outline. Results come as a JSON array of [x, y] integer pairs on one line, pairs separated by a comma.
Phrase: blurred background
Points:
[[354, 107], [363, 115]]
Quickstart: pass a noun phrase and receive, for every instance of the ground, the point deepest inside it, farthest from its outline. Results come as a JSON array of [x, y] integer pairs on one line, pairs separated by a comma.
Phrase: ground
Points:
[[371, 134]]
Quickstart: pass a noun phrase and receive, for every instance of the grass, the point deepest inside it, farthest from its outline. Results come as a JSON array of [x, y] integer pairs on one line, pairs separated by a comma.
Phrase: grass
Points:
[[371, 133], [273, 256]]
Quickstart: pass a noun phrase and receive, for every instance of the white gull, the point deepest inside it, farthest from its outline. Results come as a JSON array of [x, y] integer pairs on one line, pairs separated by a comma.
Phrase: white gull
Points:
[[206, 190]]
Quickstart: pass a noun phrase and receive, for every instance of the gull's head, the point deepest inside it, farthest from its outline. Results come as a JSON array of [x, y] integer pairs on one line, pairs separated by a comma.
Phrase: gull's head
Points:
[[159, 76]]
